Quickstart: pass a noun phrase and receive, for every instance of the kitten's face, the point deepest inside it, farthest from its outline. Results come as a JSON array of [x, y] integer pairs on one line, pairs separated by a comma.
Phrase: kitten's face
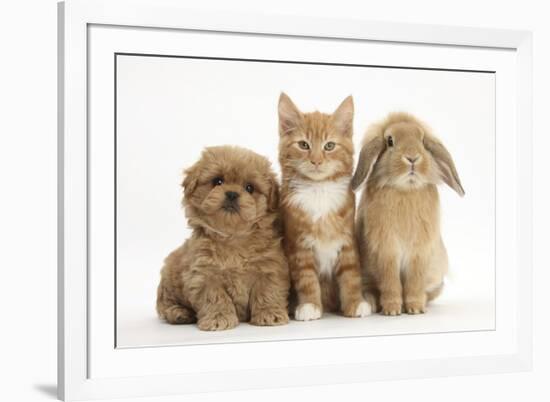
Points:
[[316, 146]]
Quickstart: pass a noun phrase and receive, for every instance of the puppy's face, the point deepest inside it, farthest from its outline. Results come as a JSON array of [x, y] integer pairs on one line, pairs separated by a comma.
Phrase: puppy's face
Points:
[[229, 189]]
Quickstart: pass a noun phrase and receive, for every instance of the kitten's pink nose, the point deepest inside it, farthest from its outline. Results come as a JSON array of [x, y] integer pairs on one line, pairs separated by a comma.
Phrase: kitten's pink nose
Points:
[[316, 162]]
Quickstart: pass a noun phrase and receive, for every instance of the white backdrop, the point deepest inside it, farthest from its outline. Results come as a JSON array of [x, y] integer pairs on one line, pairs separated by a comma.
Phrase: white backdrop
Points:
[[28, 166], [169, 109]]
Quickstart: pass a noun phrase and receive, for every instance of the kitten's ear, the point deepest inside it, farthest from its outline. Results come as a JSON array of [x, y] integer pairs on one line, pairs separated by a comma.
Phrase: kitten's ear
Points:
[[342, 118], [289, 115]]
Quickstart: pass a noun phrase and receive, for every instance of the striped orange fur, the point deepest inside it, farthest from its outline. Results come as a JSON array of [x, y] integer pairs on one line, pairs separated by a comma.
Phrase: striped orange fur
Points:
[[318, 209]]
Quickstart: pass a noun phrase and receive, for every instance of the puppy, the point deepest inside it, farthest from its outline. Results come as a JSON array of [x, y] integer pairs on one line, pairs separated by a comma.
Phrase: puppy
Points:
[[232, 268]]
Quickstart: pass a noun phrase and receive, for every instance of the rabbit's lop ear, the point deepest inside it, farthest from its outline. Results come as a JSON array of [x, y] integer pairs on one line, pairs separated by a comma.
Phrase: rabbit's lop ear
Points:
[[367, 158], [445, 163]]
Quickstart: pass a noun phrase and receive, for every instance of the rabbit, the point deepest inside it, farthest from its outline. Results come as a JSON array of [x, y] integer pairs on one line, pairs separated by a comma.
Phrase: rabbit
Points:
[[402, 255]]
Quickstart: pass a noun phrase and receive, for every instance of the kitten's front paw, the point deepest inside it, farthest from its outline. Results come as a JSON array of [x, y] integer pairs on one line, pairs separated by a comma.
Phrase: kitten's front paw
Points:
[[415, 308], [218, 321], [357, 309], [391, 308], [364, 309], [307, 312], [269, 317]]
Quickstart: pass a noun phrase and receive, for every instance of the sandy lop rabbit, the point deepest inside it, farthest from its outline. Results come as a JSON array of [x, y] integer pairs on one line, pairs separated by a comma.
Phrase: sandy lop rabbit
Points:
[[402, 254]]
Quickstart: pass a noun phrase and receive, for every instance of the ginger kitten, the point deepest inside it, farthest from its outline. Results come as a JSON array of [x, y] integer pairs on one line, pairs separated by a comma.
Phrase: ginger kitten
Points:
[[318, 208]]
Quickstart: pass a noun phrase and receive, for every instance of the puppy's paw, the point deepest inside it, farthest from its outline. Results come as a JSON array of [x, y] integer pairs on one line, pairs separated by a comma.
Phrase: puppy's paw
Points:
[[307, 312], [179, 315], [391, 308], [415, 308], [269, 317], [218, 321]]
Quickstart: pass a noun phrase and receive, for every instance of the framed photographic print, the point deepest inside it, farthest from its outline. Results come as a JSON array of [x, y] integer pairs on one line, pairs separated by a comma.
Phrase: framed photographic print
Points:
[[329, 201]]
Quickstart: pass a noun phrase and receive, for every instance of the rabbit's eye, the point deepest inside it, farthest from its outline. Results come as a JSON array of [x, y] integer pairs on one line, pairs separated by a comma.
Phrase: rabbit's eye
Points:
[[390, 141], [303, 145]]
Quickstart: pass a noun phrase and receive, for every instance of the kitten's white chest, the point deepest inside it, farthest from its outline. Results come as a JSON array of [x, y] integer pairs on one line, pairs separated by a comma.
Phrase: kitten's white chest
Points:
[[326, 255], [318, 199]]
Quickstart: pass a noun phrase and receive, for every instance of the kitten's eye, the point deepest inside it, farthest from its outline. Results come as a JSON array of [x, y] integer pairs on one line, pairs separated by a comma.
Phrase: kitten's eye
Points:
[[217, 181], [390, 141], [249, 188], [329, 146], [303, 145]]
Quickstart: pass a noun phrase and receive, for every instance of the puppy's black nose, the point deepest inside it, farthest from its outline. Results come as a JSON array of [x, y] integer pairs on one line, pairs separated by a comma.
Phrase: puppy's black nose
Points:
[[231, 195]]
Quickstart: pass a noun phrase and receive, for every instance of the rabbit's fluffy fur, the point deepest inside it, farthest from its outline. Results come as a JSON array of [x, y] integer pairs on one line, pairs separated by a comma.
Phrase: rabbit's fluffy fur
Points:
[[402, 254]]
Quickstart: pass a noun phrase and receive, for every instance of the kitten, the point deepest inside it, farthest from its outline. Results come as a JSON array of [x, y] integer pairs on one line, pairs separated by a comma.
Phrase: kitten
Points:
[[318, 208]]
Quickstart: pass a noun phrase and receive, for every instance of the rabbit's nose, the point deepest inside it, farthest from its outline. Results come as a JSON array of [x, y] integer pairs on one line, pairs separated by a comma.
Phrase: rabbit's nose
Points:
[[412, 159]]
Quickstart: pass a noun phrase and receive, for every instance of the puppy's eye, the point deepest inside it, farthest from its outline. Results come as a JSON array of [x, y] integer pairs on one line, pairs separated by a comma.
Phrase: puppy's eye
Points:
[[303, 145], [217, 181], [329, 146], [249, 188], [390, 141]]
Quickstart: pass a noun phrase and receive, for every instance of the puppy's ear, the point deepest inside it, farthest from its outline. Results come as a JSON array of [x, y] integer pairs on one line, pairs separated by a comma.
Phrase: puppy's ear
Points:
[[342, 118], [190, 180], [367, 158], [273, 198], [445, 164], [289, 116]]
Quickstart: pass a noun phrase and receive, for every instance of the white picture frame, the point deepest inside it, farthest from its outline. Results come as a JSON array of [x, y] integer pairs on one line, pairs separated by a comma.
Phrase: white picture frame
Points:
[[90, 367]]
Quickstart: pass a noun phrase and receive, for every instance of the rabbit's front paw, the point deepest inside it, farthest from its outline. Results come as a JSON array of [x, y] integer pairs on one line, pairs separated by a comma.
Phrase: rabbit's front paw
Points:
[[415, 308], [391, 308]]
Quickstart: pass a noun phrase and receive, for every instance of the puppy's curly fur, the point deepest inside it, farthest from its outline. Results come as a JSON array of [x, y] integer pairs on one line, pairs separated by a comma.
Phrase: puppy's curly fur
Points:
[[233, 267]]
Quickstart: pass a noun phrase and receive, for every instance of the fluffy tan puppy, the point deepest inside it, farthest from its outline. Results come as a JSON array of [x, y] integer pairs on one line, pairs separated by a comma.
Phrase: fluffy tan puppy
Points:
[[233, 267], [400, 246]]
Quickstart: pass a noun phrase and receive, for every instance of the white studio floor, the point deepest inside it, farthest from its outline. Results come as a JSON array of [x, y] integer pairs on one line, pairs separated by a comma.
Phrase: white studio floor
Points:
[[448, 314]]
